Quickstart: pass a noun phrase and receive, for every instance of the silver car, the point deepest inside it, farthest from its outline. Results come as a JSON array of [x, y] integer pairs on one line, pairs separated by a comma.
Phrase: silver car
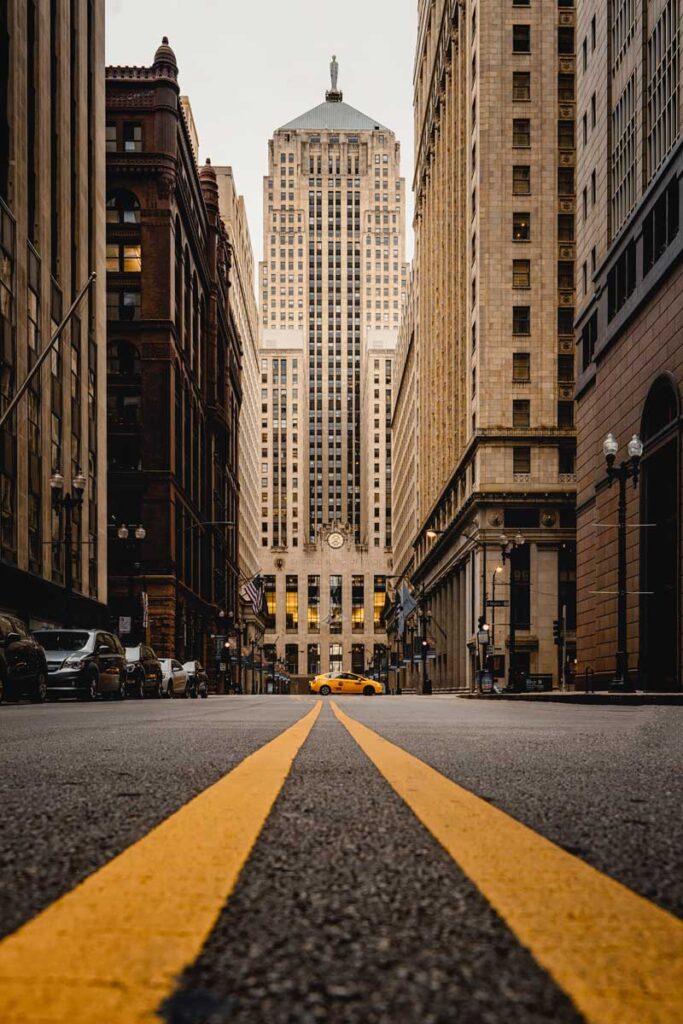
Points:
[[173, 678]]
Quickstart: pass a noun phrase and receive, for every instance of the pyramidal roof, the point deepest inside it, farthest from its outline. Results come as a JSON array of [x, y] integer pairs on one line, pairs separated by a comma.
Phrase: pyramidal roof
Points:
[[334, 114]]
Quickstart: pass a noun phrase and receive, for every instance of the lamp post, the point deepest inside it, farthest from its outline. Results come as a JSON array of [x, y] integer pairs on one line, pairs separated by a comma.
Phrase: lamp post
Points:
[[67, 503], [507, 547], [629, 469], [496, 572], [123, 533]]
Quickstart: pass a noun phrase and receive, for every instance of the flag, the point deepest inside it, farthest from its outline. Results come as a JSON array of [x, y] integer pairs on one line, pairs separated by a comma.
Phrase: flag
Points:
[[405, 606], [253, 591]]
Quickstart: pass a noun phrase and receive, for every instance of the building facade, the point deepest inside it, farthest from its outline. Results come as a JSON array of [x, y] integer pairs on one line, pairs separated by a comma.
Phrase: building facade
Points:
[[332, 283], [494, 266], [51, 239], [174, 389], [630, 332]]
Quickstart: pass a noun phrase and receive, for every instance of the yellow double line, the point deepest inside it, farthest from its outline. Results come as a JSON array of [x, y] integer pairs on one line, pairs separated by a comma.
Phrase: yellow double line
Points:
[[112, 949]]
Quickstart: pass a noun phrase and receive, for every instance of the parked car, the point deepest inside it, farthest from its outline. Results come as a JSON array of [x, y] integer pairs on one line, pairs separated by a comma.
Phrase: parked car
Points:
[[83, 663], [23, 666], [197, 679], [143, 672], [173, 678]]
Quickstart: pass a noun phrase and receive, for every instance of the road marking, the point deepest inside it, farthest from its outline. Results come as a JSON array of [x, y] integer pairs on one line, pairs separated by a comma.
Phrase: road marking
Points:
[[112, 949], [616, 955]]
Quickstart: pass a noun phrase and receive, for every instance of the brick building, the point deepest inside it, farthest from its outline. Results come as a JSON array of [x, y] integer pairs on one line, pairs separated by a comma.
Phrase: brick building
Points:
[[51, 240], [173, 358], [630, 331]]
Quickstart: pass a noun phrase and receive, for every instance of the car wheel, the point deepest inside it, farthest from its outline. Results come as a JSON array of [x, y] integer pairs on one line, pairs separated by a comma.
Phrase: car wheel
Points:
[[203, 694], [139, 691], [91, 686], [40, 689], [2, 688], [169, 691], [122, 692], [325, 691], [369, 691], [156, 693]]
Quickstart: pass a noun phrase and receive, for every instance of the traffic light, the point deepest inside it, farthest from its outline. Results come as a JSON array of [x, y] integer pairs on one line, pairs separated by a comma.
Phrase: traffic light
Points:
[[557, 632], [482, 622]]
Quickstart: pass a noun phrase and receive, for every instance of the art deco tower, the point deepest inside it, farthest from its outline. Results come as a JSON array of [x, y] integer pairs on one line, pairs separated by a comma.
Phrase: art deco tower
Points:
[[331, 288]]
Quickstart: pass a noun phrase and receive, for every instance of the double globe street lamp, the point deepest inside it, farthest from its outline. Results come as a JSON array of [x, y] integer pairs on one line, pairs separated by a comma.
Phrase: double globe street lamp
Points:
[[67, 503], [627, 470]]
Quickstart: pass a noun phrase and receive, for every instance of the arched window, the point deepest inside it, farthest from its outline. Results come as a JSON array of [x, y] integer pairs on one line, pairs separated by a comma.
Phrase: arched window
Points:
[[123, 359], [123, 207], [661, 408]]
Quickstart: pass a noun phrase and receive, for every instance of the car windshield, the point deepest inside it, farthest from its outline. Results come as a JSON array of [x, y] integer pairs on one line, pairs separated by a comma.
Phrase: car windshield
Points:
[[62, 640]]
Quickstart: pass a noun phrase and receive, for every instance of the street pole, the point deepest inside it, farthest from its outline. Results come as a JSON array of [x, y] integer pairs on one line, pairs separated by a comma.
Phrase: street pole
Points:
[[511, 666], [622, 644], [68, 567], [426, 684], [564, 646], [253, 663], [260, 668]]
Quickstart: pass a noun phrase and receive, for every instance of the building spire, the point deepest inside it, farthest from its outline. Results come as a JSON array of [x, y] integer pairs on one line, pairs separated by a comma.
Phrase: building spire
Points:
[[334, 95]]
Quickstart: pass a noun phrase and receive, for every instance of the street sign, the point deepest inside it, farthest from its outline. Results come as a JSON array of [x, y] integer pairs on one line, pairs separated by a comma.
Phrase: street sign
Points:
[[497, 604]]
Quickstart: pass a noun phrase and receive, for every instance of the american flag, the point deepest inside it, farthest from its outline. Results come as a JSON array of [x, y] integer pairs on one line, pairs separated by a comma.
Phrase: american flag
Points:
[[253, 591]]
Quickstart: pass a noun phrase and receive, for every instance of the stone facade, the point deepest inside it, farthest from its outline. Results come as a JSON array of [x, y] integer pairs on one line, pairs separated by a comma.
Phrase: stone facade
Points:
[[332, 284], [494, 269], [630, 333], [51, 240], [174, 389]]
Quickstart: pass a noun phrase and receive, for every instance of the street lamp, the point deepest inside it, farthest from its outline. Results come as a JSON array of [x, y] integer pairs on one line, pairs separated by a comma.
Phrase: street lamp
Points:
[[507, 547], [629, 469], [123, 532], [67, 503]]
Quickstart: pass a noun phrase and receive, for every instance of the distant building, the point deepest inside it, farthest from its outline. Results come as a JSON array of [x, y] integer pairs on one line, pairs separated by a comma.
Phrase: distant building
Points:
[[174, 390], [332, 283], [51, 239], [630, 331], [492, 352]]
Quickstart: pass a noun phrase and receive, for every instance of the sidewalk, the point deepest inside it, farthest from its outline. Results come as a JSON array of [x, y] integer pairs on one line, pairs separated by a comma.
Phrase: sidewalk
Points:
[[579, 697]]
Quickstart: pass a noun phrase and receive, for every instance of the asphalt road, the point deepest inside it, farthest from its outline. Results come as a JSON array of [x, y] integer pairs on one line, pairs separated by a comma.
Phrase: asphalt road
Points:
[[348, 909]]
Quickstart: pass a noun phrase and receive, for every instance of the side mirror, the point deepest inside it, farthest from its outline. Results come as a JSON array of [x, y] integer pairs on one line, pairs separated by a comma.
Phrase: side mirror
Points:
[[12, 638]]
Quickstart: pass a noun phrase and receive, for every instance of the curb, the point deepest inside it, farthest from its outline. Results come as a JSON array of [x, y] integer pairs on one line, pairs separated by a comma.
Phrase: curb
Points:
[[633, 699]]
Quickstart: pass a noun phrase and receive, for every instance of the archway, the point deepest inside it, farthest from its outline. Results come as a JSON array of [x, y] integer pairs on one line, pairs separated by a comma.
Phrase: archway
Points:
[[660, 504]]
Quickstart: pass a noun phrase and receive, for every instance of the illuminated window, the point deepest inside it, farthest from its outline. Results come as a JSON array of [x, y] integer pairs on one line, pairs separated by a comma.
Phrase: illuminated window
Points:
[[357, 604], [314, 605], [379, 599], [292, 603], [271, 601]]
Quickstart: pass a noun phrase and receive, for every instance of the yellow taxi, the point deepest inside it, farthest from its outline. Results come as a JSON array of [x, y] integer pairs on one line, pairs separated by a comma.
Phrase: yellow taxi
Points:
[[345, 682]]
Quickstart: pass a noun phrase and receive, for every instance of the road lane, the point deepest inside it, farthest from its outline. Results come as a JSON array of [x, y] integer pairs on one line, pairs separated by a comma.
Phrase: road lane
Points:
[[601, 782], [349, 912], [81, 782], [111, 949], [618, 956]]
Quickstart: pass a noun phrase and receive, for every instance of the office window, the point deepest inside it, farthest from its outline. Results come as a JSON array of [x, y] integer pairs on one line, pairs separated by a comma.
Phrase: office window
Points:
[[520, 574], [521, 38], [521, 179], [521, 459], [565, 415], [336, 658], [565, 275], [132, 137], [335, 604], [565, 227], [521, 412], [565, 40], [521, 133], [565, 134], [521, 227], [565, 181], [565, 320], [521, 320], [110, 138], [313, 659], [357, 604], [379, 598], [521, 273], [521, 366], [292, 659], [314, 604], [358, 659], [565, 368], [292, 603], [271, 601], [521, 86], [565, 88], [566, 459]]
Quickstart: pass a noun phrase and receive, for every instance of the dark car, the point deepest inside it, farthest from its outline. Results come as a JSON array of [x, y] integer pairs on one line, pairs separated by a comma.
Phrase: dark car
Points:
[[83, 663], [144, 677], [23, 668]]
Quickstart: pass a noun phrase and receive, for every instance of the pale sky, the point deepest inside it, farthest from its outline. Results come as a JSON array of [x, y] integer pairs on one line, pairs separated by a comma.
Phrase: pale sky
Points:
[[250, 66]]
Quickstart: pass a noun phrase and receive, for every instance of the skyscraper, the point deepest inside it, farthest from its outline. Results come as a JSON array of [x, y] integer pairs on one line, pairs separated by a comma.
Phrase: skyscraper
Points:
[[332, 283]]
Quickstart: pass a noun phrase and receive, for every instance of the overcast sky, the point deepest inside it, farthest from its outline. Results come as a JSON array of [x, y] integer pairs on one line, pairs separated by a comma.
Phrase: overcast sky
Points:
[[250, 66]]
